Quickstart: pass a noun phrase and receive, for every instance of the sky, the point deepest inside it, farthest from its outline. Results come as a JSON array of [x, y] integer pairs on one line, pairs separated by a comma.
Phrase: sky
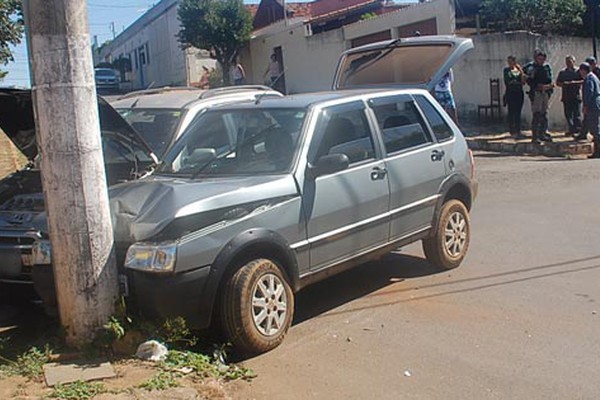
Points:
[[102, 14]]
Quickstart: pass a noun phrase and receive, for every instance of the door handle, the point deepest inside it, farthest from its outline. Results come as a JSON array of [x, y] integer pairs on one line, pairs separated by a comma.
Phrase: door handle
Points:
[[378, 173], [437, 155]]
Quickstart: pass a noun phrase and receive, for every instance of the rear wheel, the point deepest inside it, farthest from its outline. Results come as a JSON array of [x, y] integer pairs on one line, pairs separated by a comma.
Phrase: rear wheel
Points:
[[257, 306], [449, 244]]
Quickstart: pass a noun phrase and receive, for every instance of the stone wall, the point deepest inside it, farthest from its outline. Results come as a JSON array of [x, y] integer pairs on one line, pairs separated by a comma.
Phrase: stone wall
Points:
[[487, 60]]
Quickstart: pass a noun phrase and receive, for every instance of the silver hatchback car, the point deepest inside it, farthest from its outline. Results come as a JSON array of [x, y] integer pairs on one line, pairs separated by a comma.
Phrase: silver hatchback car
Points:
[[257, 200]]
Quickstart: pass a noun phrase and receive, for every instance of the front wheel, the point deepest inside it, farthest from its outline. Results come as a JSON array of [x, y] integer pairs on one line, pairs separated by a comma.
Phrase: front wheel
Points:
[[257, 306], [449, 244]]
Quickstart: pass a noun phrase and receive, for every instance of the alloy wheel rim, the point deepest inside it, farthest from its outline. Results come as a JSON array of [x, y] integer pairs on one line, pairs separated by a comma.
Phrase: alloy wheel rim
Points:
[[455, 235], [269, 305]]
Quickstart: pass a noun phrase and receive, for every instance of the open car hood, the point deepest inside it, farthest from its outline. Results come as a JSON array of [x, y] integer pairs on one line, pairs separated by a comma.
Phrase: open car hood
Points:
[[18, 123], [416, 62]]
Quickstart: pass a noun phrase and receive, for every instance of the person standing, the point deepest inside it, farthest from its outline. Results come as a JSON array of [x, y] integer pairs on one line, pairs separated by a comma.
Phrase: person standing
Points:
[[570, 81], [205, 78], [238, 74], [591, 104], [273, 70], [514, 79], [443, 94], [593, 65], [539, 79]]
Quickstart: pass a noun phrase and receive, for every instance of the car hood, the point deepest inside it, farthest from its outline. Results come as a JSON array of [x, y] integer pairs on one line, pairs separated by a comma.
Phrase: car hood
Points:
[[163, 208], [416, 62], [18, 123]]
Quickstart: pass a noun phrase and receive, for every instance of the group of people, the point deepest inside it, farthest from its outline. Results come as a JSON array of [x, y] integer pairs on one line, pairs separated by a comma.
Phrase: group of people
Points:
[[238, 74], [579, 85]]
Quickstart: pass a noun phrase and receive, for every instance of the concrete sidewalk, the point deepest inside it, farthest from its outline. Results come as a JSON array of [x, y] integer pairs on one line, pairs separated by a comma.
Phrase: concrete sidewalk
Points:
[[562, 146], [494, 137]]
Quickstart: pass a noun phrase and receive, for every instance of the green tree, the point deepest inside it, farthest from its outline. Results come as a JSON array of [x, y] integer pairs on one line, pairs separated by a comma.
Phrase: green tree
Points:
[[563, 17], [11, 30], [222, 27]]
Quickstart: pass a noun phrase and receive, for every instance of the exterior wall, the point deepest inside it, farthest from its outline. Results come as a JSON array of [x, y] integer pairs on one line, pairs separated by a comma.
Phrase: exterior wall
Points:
[[487, 60], [441, 10], [310, 61], [165, 62]]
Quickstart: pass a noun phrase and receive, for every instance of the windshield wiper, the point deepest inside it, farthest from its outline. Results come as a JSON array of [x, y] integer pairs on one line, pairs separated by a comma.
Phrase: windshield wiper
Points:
[[233, 149]]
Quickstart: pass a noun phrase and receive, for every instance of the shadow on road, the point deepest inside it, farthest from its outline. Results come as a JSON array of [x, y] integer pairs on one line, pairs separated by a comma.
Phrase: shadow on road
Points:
[[353, 290], [358, 282]]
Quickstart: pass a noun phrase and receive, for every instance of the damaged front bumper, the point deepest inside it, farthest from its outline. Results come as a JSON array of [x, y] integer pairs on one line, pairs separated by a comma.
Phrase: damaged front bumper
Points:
[[16, 259]]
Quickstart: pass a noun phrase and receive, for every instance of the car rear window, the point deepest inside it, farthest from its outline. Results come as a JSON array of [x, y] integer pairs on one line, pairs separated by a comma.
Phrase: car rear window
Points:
[[406, 65], [156, 126], [440, 128]]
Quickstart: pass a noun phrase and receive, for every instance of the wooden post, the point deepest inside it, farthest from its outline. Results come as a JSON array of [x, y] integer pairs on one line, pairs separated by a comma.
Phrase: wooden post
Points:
[[72, 165]]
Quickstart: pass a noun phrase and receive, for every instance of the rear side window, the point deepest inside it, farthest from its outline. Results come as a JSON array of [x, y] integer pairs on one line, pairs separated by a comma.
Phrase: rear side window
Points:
[[401, 124], [440, 128], [344, 130]]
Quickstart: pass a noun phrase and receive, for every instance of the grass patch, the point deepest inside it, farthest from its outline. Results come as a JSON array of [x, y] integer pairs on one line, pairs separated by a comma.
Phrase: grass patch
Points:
[[161, 381], [77, 390], [205, 366], [29, 364]]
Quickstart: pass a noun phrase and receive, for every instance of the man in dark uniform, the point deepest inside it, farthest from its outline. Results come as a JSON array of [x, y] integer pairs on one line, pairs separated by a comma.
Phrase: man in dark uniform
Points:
[[593, 65], [539, 79], [591, 104], [570, 81]]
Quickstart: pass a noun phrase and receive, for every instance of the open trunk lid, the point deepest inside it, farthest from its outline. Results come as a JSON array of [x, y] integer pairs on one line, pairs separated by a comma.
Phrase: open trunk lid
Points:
[[416, 62]]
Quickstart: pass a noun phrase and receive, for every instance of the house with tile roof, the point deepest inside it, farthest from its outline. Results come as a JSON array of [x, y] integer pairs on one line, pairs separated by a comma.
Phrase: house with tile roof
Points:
[[307, 46]]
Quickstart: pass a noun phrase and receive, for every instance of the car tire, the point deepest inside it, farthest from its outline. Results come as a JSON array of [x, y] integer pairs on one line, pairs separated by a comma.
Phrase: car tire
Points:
[[449, 244], [257, 307]]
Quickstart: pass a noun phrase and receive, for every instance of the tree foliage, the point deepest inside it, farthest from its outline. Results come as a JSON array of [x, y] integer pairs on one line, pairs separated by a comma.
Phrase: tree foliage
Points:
[[222, 27], [11, 29], [562, 17]]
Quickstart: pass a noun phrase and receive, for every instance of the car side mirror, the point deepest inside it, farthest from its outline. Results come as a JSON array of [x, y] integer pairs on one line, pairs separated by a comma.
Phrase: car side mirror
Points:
[[202, 156], [329, 164]]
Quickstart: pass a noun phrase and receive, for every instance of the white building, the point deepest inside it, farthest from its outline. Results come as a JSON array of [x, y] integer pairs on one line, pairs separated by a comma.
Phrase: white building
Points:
[[156, 56]]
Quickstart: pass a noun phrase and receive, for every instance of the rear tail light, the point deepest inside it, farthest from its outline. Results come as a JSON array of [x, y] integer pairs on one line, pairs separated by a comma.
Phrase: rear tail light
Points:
[[472, 161]]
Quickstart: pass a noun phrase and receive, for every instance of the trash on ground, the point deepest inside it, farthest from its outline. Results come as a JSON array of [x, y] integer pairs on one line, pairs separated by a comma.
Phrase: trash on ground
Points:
[[151, 350], [407, 373]]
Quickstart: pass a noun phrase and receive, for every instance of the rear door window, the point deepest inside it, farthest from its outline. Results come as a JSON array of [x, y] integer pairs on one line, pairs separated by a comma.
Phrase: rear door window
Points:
[[440, 128], [400, 123]]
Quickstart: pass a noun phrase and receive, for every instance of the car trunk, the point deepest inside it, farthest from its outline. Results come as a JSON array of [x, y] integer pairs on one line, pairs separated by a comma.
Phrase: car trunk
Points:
[[418, 62]]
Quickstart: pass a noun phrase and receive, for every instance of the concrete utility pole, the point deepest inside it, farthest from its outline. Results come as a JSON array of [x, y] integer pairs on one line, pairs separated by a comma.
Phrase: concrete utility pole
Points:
[[72, 165]]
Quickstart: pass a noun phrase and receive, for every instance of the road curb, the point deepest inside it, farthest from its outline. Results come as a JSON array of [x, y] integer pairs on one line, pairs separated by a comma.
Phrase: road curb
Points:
[[556, 149]]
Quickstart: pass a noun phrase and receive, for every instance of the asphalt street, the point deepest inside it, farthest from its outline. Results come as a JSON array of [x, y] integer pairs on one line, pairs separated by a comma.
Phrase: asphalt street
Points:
[[520, 319]]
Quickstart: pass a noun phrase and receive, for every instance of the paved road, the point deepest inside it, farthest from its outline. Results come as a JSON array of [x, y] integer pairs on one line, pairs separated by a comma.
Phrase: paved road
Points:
[[519, 320]]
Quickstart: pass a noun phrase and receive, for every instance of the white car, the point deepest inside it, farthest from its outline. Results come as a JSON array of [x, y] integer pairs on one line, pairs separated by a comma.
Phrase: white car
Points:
[[161, 115]]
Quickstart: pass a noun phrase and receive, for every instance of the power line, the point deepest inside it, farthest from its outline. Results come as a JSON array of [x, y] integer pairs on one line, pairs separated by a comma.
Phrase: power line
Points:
[[118, 6]]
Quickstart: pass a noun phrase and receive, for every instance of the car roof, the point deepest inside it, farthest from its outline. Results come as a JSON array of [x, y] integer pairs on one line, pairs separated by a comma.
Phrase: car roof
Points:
[[304, 100], [182, 97]]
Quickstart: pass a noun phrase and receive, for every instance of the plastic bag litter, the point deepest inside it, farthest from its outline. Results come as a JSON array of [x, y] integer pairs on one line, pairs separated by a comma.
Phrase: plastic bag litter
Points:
[[152, 350]]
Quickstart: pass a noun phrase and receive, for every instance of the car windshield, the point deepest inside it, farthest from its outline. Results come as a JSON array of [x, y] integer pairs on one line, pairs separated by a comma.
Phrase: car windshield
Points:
[[404, 65], [237, 142], [156, 126]]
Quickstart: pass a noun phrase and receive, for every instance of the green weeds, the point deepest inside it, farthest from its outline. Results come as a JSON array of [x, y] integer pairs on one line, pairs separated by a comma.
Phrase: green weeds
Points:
[[30, 364], [161, 381], [77, 390]]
